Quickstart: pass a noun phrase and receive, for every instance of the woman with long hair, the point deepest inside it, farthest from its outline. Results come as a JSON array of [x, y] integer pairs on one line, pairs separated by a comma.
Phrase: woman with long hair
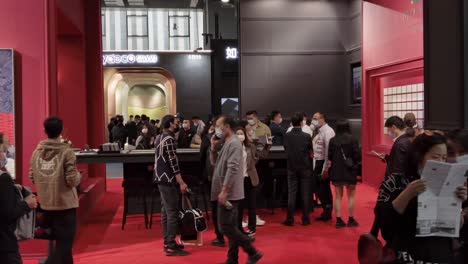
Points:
[[344, 155], [396, 208], [250, 157]]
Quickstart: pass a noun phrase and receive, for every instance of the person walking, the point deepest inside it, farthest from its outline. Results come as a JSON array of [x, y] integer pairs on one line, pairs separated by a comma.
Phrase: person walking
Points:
[[53, 171], [170, 185], [228, 188]]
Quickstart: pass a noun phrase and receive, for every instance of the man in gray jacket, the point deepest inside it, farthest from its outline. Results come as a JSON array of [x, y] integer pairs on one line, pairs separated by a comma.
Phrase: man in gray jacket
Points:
[[228, 188]]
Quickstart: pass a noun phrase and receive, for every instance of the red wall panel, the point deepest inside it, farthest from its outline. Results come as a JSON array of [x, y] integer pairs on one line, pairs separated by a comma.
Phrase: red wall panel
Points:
[[24, 28], [392, 43]]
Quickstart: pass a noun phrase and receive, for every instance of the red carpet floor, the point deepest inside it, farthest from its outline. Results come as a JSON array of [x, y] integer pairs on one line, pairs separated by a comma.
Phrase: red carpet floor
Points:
[[102, 241]]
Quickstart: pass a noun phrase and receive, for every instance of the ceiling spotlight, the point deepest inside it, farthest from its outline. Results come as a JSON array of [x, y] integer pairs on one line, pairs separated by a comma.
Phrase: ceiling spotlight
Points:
[[225, 1]]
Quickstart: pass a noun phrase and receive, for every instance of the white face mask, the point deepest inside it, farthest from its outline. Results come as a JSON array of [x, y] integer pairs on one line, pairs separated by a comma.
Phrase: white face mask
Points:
[[315, 123], [241, 137], [391, 135], [219, 132], [186, 126], [281, 120], [251, 122], [144, 131]]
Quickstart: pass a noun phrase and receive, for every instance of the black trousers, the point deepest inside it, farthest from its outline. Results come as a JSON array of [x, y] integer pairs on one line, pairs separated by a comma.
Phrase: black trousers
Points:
[[299, 179], [228, 226], [63, 225], [169, 213], [325, 192], [214, 210], [249, 202], [10, 257]]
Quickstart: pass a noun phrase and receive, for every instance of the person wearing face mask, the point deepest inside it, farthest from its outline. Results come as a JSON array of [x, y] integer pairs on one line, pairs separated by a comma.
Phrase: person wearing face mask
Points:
[[250, 157], [144, 141], [305, 128], [396, 208], [186, 135], [227, 188], [321, 145], [259, 129], [170, 184], [278, 128]]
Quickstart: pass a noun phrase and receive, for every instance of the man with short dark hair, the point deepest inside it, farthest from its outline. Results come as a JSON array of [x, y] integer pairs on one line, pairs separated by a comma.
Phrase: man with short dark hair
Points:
[[277, 127], [321, 144], [259, 129], [396, 161], [119, 132], [132, 131], [170, 184], [298, 146], [53, 171], [396, 129], [228, 188], [186, 134]]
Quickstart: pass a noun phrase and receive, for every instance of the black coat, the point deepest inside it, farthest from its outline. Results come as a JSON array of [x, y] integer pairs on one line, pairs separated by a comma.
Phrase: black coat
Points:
[[339, 172], [298, 146], [11, 209], [396, 161]]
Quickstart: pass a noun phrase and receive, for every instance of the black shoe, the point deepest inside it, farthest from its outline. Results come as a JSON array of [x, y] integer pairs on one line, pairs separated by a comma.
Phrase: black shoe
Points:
[[179, 246], [340, 223], [305, 222], [176, 252], [352, 222], [324, 217], [255, 258], [218, 242], [250, 233], [288, 222]]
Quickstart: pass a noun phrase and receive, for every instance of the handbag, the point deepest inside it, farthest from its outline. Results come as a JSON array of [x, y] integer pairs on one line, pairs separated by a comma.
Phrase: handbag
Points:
[[191, 220], [349, 163]]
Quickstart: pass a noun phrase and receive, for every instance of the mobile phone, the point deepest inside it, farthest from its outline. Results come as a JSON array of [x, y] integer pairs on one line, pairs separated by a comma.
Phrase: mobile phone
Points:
[[228, 205], [381, 156]]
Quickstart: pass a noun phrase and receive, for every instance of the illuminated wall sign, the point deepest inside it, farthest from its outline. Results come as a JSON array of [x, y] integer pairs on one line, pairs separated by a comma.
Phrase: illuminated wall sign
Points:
[[231, 53], [113, 59], [194, 57]]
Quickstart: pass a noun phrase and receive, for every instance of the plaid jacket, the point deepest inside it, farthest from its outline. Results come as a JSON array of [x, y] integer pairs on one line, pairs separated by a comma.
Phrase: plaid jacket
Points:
[[166, 162]]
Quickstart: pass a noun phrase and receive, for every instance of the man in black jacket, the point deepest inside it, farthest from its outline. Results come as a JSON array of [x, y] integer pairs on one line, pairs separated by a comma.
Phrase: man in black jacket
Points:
[[298, 146], [170, 184], [11, 209], [396, 161]]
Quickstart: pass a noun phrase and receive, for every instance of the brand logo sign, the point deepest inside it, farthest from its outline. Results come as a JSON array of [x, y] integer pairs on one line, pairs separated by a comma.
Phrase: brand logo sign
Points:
[[116, 59], [231, 53]]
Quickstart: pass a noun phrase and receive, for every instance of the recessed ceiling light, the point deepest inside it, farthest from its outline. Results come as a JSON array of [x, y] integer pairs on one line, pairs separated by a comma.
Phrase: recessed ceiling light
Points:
[[225, 1]]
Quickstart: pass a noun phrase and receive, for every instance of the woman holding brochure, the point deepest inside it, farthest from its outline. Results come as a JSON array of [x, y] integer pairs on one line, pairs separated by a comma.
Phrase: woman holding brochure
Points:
[[397, 205]]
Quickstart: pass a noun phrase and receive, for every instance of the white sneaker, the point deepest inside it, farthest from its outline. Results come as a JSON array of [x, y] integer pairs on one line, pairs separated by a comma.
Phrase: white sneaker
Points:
[[260, 222], [244, 224]]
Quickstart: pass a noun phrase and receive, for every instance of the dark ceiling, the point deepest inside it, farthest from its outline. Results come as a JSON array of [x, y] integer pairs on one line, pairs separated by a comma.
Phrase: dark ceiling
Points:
[[154, 3]]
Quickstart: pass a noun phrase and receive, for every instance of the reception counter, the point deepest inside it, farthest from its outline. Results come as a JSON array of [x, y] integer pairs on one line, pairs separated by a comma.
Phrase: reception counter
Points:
[[147, 156]]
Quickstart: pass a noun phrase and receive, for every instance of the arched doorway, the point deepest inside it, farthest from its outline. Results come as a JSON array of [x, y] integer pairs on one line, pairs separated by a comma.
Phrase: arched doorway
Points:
[[132, 91]]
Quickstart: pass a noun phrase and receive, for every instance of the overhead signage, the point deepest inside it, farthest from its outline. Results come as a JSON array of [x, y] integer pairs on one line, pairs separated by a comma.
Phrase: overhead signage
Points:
[[118, 59], [231, 53]]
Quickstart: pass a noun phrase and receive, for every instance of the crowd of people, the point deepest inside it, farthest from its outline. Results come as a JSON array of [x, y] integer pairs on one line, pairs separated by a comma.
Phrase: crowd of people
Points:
[[318, 157]]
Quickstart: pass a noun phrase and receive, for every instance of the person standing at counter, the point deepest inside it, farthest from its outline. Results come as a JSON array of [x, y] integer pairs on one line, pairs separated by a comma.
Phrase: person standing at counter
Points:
[[277, 127], [298, 146], [170, 185], [186, 134], [259, 129], [53, 171]]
